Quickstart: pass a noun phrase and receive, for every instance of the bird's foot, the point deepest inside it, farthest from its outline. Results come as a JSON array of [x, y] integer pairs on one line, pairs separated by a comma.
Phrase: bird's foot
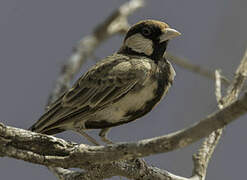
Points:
[[103, 135]]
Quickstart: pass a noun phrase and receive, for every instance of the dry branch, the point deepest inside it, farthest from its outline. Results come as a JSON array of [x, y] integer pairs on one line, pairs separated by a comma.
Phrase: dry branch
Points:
[[133, 169], [204, 154], [185, 64], [52, 151]]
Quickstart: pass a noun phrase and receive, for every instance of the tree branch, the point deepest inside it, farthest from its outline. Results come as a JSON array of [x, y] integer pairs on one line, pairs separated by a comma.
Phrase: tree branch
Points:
[[52, 151], [205, 152], [184, 63], [132, 169]]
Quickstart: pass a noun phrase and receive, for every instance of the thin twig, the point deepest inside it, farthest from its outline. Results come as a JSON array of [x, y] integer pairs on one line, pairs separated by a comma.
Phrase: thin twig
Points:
[[218, 88], [238, 82], [184, 63]]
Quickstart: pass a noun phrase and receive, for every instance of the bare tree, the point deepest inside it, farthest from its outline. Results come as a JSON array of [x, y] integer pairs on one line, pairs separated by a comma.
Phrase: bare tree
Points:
[[123, 159]]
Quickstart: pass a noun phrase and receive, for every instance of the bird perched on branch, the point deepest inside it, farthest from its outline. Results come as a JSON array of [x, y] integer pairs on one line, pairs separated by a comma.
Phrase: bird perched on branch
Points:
[[118, 89]]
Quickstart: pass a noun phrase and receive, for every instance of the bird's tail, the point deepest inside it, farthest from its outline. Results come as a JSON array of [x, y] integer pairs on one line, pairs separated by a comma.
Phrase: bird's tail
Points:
[[45, 124], [48, 132]]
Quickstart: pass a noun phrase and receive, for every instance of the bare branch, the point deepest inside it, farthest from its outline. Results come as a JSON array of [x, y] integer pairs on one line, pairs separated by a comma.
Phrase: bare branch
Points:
[[204, 154], [184, 63], [51, 151], [238, 82], [64, 174], [132, 169], [218, 88], [202, 157]]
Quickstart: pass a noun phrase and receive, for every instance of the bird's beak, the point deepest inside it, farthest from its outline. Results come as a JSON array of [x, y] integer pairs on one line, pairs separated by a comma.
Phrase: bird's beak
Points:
[[168, 34]]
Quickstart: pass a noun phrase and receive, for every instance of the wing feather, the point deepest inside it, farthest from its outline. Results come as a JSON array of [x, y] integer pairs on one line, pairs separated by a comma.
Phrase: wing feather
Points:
[[102, 85]]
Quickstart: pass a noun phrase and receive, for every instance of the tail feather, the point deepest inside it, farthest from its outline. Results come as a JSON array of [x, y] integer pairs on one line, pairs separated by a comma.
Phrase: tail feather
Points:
[[58, 118], [46, 120], [45, 130]]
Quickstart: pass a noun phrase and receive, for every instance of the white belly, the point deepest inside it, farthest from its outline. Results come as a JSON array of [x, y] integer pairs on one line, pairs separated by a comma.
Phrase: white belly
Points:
[[131, 102]]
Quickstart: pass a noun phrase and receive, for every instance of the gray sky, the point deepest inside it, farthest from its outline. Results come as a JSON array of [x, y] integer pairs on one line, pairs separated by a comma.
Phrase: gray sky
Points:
[[37, 36]]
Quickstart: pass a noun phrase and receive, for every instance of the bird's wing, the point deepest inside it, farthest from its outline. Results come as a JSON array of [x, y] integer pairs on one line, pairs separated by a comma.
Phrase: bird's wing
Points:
[[103, 84]]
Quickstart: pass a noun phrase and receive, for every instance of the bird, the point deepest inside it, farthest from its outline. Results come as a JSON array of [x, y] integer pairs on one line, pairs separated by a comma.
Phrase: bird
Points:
[[118, 89]]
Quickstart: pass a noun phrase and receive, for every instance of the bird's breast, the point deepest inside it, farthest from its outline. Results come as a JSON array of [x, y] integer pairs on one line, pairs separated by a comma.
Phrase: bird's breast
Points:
[[135, 100]]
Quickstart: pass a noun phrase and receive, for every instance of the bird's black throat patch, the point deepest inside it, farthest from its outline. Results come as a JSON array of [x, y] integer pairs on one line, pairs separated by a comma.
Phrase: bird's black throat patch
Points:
[[159, 50], [157, 55]]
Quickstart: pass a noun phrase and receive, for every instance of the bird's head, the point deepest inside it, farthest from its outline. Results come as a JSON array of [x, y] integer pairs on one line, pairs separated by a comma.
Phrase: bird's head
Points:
[[148, 38]]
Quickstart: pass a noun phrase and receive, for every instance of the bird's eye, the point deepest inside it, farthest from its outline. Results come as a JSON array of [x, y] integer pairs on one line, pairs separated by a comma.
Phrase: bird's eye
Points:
[[146, 31]]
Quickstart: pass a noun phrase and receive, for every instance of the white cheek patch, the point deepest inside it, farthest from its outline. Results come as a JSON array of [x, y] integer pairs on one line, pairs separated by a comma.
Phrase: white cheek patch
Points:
[[140, 44]]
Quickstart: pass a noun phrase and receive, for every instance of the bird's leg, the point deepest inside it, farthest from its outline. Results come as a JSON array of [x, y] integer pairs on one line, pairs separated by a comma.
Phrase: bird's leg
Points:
[[103, 135], [89, 138]]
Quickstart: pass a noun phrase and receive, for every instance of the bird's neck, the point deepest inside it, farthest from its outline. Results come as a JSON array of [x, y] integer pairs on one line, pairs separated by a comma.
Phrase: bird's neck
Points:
[[159, 50], [157, 54]]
